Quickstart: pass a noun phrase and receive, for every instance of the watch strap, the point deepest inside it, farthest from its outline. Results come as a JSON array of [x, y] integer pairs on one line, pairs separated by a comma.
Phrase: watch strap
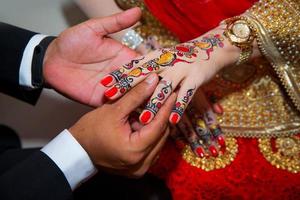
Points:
[[37, 62]]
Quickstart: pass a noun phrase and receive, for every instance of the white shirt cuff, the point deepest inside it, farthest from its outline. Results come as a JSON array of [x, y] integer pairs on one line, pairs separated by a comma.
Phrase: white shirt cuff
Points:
[[71, 158], [25, 73]]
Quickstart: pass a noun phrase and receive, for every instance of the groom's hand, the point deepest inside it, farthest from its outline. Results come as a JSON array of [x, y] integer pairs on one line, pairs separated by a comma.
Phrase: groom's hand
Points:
[[109, 137], [76, 61]]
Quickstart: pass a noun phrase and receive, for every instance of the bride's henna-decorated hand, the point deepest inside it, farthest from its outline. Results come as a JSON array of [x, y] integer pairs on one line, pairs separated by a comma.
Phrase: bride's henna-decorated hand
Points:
[[200, 127], [185, 66]]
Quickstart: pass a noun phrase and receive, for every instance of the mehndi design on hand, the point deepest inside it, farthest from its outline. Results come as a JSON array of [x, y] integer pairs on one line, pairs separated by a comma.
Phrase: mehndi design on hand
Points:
[[181, 105], [180, 64], [117, 75], [154, 104]]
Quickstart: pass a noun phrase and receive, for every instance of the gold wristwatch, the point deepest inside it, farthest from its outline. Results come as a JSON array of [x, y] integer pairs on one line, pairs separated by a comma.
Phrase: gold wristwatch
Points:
[[241, 33]]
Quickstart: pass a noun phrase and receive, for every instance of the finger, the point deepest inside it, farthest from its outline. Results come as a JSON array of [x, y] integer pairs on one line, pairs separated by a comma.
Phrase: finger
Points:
[[134, 122], [153, 131], [205, 135], [161, 93], [120, 73], [157, 148], [137, 96], [191, 136], [185, 95], [201, 102], [210, 118], [211, 121], [150, 156], [161, 60], [114, 23], [217, 107]]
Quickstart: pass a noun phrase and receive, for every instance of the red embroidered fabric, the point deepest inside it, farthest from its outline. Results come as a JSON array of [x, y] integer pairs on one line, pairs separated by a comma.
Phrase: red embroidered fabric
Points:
[[249, 176]]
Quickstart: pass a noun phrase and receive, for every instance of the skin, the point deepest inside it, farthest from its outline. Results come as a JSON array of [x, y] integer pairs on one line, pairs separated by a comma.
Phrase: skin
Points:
[[74, 64], [187, 72], [76, 61], [117, 145], [94, 8], [207, 55], [186, 69]]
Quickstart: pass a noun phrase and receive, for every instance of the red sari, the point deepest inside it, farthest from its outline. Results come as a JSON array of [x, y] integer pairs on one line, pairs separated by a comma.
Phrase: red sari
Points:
[[249, 176]]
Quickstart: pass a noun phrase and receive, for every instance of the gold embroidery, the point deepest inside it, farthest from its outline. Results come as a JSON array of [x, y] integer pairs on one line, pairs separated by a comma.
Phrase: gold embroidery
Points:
[[278, 25], [286, 157], [260, 110]]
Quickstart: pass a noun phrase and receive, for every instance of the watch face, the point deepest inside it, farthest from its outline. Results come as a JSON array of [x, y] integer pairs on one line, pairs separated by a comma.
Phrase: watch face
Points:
[[241, 30]]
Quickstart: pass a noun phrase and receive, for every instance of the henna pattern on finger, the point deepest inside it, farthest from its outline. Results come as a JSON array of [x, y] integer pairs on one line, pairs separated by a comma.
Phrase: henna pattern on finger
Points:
[[119, 74], [181, 105], [203, 133], [192, 138], [130, 65], [155, 103], [205, 136], [214, 127]]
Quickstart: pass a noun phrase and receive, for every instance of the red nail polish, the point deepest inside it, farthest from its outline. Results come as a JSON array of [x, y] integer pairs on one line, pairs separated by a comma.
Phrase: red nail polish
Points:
[[145, 117], [218, 108], [200, 152], [175, 118], [106, 80], [111, 92], [213, 151], [221, 141]]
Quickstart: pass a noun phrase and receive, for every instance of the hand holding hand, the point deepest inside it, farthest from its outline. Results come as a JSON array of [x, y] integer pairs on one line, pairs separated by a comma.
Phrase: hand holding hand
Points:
[[80, 56], [185, 66], [108, 136]]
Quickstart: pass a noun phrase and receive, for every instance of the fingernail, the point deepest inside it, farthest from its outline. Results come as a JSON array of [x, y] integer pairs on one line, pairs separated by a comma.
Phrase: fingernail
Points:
[[150, 79], [106, 80], [200, 152], [146, 117], [218, 108], [174, 118], [221, 141], [213, 151], [111, 92]]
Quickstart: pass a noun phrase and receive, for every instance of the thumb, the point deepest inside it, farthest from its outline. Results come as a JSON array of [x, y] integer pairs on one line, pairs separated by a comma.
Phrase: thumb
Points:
[[136, 96], [116, 22]]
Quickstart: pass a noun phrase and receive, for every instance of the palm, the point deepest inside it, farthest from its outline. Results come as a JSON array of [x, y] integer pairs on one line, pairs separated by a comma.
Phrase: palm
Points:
[[79, 58]]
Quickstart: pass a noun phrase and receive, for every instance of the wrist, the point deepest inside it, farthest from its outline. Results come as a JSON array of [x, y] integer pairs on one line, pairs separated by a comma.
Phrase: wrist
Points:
[[49, 54]]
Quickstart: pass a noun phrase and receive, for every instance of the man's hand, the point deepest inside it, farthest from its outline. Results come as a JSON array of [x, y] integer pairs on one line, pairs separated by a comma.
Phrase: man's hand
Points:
[[109, 137], [76, 61]]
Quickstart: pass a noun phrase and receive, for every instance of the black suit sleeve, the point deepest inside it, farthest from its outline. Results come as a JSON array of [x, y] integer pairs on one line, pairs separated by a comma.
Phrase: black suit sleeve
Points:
[[13, 41], [34, 178]]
